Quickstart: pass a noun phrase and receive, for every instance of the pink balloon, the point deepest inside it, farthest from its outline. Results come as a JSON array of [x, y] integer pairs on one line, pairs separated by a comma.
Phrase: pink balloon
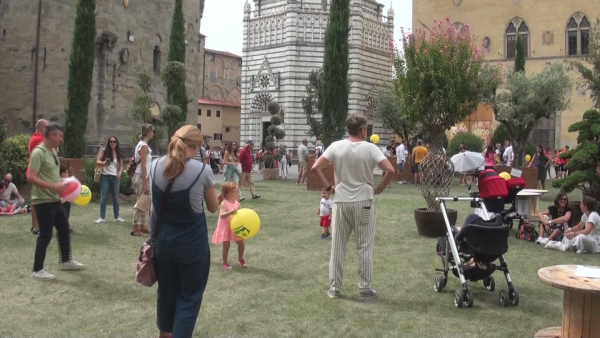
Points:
[[73, 189]]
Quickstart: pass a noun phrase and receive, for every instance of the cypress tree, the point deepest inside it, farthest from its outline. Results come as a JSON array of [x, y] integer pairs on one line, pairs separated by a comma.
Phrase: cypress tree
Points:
[[176, 92], [79, 86], [520, 57], [335, 72]]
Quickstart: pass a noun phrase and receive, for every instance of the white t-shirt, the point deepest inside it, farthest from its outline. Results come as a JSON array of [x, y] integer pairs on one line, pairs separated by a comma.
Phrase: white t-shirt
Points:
[[302, 153], [353, 163], [9, 190], [507, 156], [138, 158], [326, 206], [216, 154], [401, 154], [594, 218]]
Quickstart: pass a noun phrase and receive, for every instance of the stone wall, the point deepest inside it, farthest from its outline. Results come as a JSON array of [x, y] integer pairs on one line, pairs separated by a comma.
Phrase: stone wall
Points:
[[284, 41], [222, 76], [118, 60]]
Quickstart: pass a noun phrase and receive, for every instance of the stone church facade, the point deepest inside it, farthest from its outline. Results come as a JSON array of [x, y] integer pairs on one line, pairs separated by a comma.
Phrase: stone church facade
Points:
[[284, 42], [132, 36], [553, 31]]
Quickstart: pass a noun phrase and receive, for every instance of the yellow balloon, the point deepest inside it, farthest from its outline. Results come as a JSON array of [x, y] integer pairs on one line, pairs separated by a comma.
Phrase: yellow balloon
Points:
[[245, 223], [505, 176], [375, 138], [527, 158], [85, 196]]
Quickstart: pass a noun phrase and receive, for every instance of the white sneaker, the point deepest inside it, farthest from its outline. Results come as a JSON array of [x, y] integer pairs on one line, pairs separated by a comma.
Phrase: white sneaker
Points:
[[120, 220], [71, 265], [42, 275], [543, 241], [100, 221]]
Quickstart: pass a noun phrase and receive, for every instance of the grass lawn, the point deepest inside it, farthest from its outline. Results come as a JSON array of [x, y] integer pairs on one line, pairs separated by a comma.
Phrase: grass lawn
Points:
[[283, 292]]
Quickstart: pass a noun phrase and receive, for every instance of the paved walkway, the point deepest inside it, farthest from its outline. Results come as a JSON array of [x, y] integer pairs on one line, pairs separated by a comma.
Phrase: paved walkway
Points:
[[256, 176]]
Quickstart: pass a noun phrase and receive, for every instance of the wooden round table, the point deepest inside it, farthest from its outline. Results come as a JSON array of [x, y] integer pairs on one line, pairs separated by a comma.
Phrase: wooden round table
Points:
[[581, 303]]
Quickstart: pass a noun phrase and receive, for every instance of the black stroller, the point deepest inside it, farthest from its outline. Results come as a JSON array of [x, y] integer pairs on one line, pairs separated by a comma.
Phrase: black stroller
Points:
[[479, 243]]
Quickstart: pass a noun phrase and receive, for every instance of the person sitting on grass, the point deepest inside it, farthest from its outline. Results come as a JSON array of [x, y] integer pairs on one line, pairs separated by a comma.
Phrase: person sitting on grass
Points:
[[585, 236], [228, 199], [555, 220], [11, 189], [325, 213]]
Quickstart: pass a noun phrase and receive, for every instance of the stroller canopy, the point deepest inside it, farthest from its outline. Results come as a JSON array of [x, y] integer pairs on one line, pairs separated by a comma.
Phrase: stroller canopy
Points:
[[491, 185]]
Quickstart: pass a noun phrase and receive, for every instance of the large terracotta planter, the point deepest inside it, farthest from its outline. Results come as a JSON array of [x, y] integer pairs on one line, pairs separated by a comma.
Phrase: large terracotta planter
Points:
[[313, 182], [431, 224], [270, 174], [76, 167]]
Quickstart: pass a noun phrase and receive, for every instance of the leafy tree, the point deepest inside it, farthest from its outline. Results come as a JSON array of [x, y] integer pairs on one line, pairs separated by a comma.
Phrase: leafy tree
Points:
[[524, 101], [585, 159], [79, 86], [274, 132], [390, 112], [313, 104], [335, 86], [173, 76], [500, 135], [171, 117], [520, 58], [436, 77], [140, 111], [176, 91]]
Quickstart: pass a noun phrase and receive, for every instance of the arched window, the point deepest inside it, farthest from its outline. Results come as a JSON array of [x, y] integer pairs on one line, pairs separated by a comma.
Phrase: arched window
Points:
[[578, 35], [511, 37]]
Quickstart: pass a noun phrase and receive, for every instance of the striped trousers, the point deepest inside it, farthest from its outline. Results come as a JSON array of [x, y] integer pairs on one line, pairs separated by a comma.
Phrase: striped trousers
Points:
[[360, 218]]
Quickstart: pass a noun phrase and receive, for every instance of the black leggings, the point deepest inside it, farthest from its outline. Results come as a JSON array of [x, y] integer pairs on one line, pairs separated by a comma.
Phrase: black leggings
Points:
[[51, 215]]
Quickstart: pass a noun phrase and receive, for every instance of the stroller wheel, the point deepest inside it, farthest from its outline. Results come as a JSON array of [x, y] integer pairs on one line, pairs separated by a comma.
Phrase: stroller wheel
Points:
[[513, 297], [489, 283], [468, 296], [458, 298], [503, 298], [439, 282]]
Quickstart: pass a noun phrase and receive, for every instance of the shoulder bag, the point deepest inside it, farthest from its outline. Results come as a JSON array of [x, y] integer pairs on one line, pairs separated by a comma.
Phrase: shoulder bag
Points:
[[145, 272], [132, 163], [98, 169]]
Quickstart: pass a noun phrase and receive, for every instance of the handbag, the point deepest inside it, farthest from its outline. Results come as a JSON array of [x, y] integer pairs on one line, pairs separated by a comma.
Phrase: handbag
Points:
[[145, 271], [143, 203], [98, 169]]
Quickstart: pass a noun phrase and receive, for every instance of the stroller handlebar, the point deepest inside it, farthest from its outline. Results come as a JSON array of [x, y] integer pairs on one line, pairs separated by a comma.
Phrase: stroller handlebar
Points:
[[457, 199]]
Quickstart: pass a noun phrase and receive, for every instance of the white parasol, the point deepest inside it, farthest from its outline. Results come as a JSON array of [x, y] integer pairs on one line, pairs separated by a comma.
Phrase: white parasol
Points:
[[467, 161]]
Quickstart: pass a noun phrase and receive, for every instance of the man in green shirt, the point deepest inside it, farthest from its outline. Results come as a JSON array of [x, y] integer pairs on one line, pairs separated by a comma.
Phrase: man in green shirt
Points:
[[44, 175]]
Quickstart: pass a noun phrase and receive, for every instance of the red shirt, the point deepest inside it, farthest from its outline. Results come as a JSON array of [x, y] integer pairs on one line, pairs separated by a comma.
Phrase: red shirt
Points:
[[245, 159], [34, 141]]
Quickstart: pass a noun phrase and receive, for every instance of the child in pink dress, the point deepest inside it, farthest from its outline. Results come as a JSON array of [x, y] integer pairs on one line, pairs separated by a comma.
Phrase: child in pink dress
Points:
[[230, 193]]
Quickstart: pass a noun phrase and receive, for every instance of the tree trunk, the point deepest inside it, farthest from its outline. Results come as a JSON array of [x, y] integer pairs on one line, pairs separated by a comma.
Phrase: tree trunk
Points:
[[435, 172]]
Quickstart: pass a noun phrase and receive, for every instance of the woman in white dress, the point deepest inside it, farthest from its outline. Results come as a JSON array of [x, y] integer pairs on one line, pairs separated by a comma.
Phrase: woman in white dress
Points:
[[585, 236], [140, 181]]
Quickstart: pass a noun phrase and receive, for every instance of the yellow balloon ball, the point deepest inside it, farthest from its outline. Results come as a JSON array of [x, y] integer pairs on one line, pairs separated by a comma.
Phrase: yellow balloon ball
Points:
[[245, 223], [375, 138], [527, 158], [505, 176], [85, 196]]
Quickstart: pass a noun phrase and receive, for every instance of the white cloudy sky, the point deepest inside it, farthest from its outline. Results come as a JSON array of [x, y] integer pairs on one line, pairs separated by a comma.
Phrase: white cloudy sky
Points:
[[223, 22]]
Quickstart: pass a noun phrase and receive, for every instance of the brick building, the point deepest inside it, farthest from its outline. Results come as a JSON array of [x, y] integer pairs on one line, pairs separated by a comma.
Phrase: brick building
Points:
[[132, 36]]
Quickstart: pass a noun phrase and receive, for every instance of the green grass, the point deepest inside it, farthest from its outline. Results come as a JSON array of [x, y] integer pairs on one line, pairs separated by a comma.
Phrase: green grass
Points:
[[283, 292]]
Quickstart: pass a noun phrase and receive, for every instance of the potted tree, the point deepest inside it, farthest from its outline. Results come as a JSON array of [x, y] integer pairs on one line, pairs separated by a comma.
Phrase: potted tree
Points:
[[81, 68], [270, 171], [436, 84], [584, 160]]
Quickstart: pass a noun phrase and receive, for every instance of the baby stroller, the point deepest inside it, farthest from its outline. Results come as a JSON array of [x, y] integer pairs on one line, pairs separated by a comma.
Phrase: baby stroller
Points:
[[214, 165], [479, 243], [496, 193]]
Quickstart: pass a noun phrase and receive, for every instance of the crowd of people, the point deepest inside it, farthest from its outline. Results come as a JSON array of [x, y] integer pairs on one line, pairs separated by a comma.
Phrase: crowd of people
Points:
[[177, 191]]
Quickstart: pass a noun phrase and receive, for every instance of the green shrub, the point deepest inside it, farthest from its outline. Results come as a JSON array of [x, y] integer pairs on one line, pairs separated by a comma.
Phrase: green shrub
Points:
[[14, 156], [530, 149], [90, 165], [471, 141]]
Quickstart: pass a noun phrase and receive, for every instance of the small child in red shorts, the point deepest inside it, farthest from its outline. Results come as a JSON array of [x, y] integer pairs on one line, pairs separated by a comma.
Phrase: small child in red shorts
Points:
[[325, 212]]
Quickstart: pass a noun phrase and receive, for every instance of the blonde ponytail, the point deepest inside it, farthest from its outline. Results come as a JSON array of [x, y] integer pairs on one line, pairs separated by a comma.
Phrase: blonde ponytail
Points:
[[183, 139]]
